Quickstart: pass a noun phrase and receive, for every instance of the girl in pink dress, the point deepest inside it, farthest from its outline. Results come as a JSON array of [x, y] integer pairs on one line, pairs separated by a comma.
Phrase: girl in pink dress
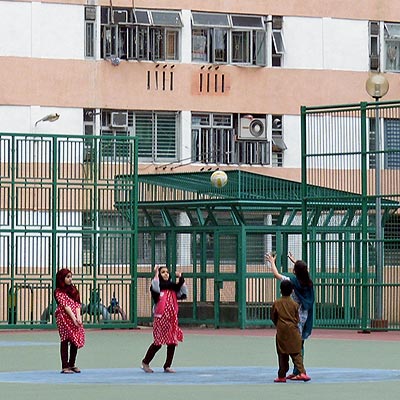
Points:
[[165, 294], [69, 320]]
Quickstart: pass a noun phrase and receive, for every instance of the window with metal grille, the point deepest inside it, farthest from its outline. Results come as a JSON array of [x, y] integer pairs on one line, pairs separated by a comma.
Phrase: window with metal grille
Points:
[[113, 130], [140, 34], [223, 38], [372, 144], [392, 143], [114, 246], [90, 26], [392, 47], [278, 44], [374, 53], [277, 159], [214, 141], [157, 134], [392, 240], [278, 143]]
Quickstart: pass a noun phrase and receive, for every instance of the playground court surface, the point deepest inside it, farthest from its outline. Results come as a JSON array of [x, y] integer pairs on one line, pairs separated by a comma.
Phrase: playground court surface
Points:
[[211, 364]]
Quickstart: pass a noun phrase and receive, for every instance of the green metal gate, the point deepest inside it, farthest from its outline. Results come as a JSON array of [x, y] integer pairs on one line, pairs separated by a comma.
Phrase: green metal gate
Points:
[[353, 243], [57, 210]]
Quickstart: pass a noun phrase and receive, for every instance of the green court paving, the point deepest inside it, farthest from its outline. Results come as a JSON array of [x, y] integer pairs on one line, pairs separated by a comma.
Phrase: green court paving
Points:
[[210, 364]]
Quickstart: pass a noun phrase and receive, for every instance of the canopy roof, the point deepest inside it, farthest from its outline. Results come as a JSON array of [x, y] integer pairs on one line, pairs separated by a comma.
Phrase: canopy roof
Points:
[[169, 194]]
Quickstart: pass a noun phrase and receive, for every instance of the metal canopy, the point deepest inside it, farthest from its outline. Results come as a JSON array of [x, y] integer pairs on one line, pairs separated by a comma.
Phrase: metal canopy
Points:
[[164, 197]]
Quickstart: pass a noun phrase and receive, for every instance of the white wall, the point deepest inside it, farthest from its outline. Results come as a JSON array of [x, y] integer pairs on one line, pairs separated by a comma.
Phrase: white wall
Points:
[[292, 138], [15, 29], [61, 28], [186, 56], [22, 119], [340, 135], [186, 136], [41, 30], [346, 44], [326, 43], [303, 41], [70, 121]]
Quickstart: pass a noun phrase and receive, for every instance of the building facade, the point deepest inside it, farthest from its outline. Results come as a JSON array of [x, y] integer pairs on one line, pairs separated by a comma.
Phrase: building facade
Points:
[[199, 84]]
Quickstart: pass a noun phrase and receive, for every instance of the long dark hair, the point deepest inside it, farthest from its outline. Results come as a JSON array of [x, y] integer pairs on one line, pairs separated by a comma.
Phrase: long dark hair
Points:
[[301, 271], [70, 290]]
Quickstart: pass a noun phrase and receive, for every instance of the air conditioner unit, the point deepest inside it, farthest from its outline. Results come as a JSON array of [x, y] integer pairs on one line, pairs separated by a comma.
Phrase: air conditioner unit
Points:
[[120, 16], [252, 128], [119, 120]]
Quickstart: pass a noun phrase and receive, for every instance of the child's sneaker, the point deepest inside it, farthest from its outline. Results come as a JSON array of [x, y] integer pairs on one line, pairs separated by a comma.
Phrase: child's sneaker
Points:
[[280, 380], [301, 377]]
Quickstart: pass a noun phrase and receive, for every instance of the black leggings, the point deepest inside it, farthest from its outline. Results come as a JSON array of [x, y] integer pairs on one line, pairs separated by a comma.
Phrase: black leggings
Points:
[[151, 352], [73, 350]]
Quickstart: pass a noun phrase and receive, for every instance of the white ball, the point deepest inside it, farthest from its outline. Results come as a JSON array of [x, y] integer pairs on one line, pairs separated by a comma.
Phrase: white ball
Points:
[[219, 179]]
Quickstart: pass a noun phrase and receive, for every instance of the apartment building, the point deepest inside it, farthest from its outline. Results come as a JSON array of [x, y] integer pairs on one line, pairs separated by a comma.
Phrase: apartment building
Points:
[[199, 83]]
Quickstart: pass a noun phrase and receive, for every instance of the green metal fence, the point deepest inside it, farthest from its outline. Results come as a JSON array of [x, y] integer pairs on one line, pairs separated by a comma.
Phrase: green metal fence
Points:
[[353, 246], [57, 197], [218, 238], [78, 202]]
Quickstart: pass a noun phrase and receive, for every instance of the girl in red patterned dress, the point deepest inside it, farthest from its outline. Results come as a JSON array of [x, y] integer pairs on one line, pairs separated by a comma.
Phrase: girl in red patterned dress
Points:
[[69, 320], [165, 294]]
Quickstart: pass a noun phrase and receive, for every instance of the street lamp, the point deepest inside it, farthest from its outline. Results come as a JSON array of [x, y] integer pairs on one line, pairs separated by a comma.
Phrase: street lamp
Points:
[[48, 118], [377, 86]]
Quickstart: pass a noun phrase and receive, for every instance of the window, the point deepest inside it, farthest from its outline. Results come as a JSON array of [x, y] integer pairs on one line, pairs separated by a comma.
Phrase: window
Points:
[[89, 130], [114, 126], [90, 21], [114, 247], [392, 47], [222, 38], [219, 44], [248, 36], [278, 144], [372, 143], [240, 47], [87, 239], [374, 62], [392, 240], [200, 45], [163, 44], [277, 159], [390, 145], [278, 45], [157, 133], [214, 141], [140, 34]]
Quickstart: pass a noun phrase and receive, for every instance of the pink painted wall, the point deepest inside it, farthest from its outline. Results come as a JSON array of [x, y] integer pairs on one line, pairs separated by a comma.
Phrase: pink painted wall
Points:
[[72, 83], [388, 10]]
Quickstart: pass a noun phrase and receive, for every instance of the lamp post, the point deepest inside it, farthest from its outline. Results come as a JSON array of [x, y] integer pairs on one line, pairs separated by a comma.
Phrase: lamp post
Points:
[[48, 118], [377, 86]]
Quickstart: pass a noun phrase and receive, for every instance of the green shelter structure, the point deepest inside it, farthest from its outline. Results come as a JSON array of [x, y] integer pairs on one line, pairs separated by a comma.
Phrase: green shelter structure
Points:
[[218, 238]]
